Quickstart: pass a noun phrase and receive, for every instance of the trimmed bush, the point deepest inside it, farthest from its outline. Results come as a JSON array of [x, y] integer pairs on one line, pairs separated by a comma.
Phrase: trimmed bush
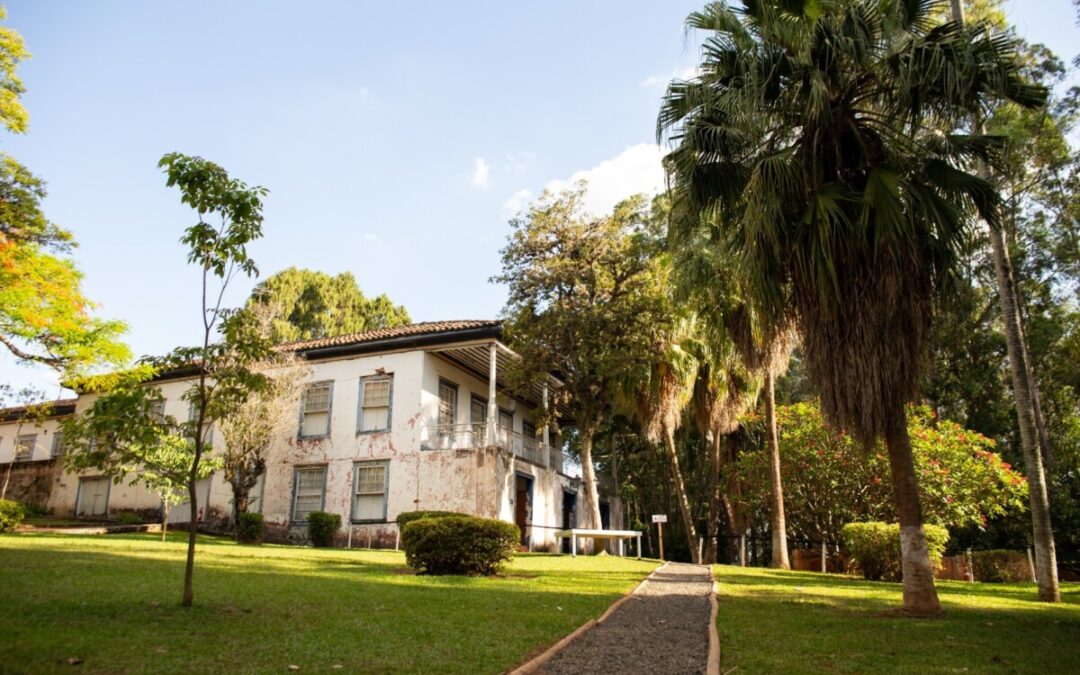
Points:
[[250, 528], [321, 528], [875, 548], [459, 544], [11, 515], [407, 517], [1000, 566], [129, 518]]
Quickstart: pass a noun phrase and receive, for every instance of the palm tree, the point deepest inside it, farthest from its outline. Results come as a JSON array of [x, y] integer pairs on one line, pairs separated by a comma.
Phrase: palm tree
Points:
[[661, 393], [810, 139]]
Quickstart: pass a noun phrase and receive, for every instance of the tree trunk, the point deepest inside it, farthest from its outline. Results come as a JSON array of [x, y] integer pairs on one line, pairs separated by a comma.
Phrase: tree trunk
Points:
[[588, 478], [777, 522], [7, 476], [680, 494], [713, 549], [1038, 497], [920, 596], [189, 566], [1025, 393], [165, 520]]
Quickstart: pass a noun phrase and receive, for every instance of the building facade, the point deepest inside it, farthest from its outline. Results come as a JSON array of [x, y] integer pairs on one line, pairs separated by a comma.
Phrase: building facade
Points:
[[412, 418]]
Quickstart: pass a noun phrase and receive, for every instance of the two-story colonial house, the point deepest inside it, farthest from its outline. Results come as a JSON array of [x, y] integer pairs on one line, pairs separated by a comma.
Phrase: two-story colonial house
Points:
[[390, 420]]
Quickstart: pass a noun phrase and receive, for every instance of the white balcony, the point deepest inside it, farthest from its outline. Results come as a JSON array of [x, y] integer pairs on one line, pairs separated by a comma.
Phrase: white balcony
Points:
[[469, 436]]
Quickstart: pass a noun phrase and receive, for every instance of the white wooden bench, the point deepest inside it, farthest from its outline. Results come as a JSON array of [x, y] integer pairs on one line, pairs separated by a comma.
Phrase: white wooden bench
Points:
[[619, 535]]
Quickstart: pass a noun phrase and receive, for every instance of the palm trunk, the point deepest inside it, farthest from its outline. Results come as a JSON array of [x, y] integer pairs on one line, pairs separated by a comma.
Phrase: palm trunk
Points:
[[920, 596], [588, 477], [713, 549], [777, 522], [1038, 497], [680, 494], [1025, 393]]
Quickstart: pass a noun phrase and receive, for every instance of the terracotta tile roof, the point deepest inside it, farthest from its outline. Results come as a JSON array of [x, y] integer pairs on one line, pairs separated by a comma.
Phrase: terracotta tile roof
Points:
[[415, 329], [63, 406]]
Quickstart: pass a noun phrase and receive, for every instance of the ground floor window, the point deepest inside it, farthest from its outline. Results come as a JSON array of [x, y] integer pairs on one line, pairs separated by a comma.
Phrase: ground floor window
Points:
[[309, 487], [369, 499]]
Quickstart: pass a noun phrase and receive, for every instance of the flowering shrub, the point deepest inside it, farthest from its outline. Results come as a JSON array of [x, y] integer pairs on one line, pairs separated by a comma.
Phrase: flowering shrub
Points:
[[830, 479], [875, 548]]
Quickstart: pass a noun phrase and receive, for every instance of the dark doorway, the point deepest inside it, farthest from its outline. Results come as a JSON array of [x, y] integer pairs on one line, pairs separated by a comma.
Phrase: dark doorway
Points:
[[523, 489], [605, 516], [569, 516]]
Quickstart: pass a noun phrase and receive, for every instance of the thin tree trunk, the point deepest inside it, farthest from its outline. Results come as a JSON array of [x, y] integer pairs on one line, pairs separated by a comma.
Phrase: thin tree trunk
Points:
[[920, 596], [777, 522], [189, 566], [588, 477], [7, 476], [680, 494], [1038, 497], [1025, 393], [165, 520], [715, 460]]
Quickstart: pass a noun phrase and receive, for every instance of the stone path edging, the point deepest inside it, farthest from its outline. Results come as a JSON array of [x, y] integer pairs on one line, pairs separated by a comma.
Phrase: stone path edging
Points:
[[713, 667], [535, 663]]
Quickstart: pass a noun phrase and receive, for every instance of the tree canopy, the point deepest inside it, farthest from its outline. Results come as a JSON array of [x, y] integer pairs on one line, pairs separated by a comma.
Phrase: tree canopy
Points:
[[312, 304]]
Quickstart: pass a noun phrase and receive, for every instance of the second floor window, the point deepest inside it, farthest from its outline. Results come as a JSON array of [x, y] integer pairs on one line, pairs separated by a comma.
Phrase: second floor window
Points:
[[24, 447], [156, 413], [59, 449], [447, 403], [315, 410], [375, 403]]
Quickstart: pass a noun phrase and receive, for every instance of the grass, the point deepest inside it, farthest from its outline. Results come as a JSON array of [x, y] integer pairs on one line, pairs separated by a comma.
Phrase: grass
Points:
[[113, 602], [772, 621]]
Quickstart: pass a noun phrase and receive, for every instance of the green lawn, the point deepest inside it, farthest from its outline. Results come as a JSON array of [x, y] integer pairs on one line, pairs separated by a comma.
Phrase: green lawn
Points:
[[772, 622], [113, 601]]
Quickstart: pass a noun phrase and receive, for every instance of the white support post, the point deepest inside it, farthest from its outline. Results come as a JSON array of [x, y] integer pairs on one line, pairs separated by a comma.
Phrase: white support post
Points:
[[546, 433], [493, 405], [573, 544]]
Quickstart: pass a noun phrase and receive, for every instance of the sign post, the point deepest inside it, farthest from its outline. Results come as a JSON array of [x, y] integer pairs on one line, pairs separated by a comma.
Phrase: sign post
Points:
[[660, 519]]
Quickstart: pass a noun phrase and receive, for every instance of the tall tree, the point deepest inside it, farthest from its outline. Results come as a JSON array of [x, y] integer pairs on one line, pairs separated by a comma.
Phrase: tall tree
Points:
[[311, 304], [1025, 391], [582, 304], [806, 138], [225, 377], [44, 316]]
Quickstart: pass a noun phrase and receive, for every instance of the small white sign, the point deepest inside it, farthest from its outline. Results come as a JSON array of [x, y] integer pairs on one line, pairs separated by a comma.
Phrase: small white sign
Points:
[[659, 518]]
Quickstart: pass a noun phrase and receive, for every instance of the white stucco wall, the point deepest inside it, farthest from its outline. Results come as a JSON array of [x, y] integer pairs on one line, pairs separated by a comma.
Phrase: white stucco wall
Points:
[[474, 480]]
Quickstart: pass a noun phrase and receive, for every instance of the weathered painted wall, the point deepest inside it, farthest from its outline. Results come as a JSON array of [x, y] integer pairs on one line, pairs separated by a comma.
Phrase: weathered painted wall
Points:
[[478, 480]]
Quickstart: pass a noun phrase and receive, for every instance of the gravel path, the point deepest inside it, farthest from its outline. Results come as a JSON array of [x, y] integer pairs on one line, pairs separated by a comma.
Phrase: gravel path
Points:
[[662, 628]]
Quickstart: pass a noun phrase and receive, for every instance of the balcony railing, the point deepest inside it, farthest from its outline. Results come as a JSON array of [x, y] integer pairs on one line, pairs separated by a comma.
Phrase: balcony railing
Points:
[[466, 436]]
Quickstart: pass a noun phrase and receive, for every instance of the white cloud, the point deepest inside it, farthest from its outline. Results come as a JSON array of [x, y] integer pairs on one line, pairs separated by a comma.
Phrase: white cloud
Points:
[[481, 176], [516, 202], [635, 169], [663, 80]]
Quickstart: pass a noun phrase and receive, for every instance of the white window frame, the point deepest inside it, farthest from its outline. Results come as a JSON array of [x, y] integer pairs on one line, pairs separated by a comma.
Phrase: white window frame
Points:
[[156, 413], [329, 385], [364, 381], [58, 449], [208, 434], [296, 489], [29, 448], [454, 413], [357, 467]]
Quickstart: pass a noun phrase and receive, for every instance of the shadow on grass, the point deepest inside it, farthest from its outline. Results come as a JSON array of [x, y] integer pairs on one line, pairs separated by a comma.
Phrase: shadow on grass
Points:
[[260, 613]]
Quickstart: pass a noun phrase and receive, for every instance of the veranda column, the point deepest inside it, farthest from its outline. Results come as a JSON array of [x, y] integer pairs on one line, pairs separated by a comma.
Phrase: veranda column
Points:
[[493, 406], [546, 433]]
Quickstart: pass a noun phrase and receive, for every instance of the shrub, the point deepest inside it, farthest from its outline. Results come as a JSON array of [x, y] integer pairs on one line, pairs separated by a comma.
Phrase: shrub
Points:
[[875, 548], [999, 566], [407, 517], [322, 527], [11, 515], [459, 544], [250, 528], [128, 518]]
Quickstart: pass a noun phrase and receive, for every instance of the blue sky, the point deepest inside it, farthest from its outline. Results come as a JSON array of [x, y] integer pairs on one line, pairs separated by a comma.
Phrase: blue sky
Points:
[[395, 138]]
